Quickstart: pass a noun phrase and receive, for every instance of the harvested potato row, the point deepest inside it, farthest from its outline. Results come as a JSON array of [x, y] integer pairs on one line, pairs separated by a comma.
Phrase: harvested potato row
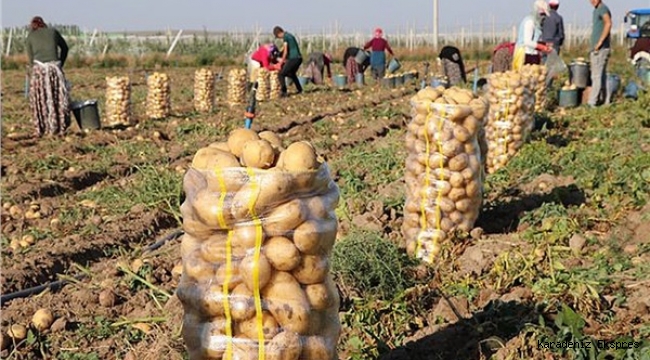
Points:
[[510, 118], [444, 169], [158, 96], [263, 85], [204, 90], [236, 86], [276, 88], [260, 225], [118, 100], [538, 74]]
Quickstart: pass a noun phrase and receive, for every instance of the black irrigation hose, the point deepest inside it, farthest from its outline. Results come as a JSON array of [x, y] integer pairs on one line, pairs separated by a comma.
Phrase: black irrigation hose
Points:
[[57, 285]]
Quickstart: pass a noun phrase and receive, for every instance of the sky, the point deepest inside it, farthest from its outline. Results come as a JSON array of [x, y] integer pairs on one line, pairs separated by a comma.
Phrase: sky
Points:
[[310, 16]]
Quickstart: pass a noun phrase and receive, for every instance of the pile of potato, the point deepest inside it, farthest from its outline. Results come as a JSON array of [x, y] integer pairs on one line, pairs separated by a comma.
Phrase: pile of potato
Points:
[[276, 87], [259, 227], [537, 73], [444, 176], [236, 86], [118, 100], [203, 90], [263, 85], [158, 96], [510, 118]]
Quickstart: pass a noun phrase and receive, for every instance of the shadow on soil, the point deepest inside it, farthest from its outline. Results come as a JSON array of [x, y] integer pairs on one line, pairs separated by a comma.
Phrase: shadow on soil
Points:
[[501, 217], [479, 336]]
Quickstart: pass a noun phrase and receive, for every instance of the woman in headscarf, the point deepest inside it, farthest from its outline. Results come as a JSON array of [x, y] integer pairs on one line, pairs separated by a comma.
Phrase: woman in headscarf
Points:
[[379, 46], [48, 94], [502, 57], [528, 45], [452, 65], [266, 57], [352, 68]]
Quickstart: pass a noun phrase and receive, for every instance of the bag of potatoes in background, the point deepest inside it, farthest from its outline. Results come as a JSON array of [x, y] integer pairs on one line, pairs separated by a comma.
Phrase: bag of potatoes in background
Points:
[[444, 171], [259, 227], [236, 86], [276, 87], [263, 92], [118, 100], [158, 96], [204, 90], [510, 119]]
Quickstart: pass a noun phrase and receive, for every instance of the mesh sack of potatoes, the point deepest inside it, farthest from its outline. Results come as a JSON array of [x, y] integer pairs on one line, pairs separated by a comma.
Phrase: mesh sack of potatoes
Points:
[[236, 86], [158, 96], [537, 77], [118, 100], [443, 172], [274, 82], [203, 90], [259, 227], [263, 92], [510, 117]]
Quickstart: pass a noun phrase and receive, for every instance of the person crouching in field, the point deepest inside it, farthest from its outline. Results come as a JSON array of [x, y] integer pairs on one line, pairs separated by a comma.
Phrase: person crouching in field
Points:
[[317, 63], [452, 65], [48, 94], [352, 68], [265, 57]]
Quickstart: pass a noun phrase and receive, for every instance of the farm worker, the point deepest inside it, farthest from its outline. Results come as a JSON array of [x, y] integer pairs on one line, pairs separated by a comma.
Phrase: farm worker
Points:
[[264, 57], [452, 65], [378, 45], [317, 62], [48, 94], [502, 57], [528, 45], [600, 49], [352, 68], [290, 60], [640, 52], [553, 27]]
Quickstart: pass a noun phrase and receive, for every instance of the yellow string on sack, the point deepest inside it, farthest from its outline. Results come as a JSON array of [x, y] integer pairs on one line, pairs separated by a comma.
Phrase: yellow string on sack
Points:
[[507, 113], [259, 320], [427, 169], [226, 283]]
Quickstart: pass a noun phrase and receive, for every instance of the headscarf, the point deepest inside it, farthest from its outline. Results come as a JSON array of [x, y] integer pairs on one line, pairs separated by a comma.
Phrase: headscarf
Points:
[[37, 23], [540, 10], [379, 33]]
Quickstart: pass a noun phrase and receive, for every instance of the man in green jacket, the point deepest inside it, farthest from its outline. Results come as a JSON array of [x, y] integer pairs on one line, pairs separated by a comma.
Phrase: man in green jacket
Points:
[[291, 59], [48, 94]]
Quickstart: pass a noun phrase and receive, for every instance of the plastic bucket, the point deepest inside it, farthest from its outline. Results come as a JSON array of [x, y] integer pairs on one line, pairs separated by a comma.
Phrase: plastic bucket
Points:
[[568, 98], [435, 82], [408, 77], [361, 57], [86, 113], [613, 85], [303, 80], [399, 80], [360, 79], [579, 74], [340, 80], [388, 82], [394, 65]]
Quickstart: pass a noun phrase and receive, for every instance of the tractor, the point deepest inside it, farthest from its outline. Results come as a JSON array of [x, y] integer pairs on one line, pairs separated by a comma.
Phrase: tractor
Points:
[[639, 30]]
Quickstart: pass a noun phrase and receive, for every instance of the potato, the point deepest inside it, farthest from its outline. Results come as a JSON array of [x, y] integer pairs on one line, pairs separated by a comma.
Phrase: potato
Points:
[[273, 138], [287, 302], [17, 332], [284, 218], [323, 295], [212, 250], [212, 301], [211, 209], [42, 319], [247, 269], [222, 145], [281, 253], [269, 327], [258, 154], [242, 306], [209, 158], [458, 162], [198, 270], [189, 244], [238, 138], [231, 275], [213, 338], [312, 269], [285, 346], [317, 348], [314, 237], [263, 192], [299, 156], [247, 235]]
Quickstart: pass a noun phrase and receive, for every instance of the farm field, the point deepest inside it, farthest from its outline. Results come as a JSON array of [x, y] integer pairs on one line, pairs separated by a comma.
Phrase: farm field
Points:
[[563, 255]]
